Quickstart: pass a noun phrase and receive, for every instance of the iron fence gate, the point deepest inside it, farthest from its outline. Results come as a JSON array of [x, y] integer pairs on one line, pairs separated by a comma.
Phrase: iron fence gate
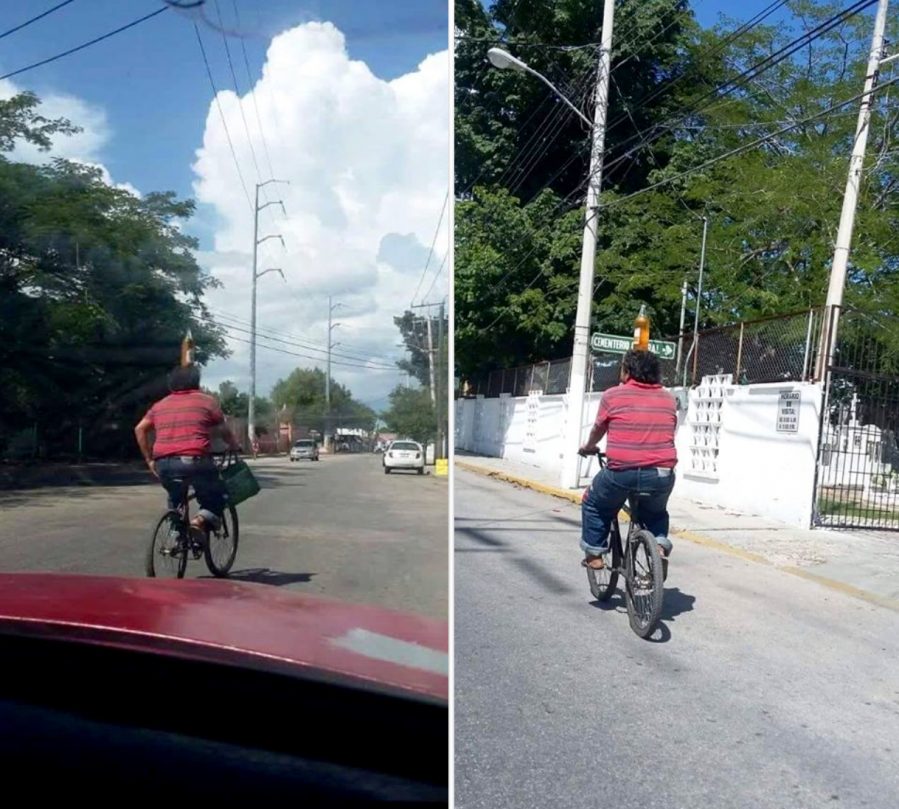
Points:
[[857, 479]]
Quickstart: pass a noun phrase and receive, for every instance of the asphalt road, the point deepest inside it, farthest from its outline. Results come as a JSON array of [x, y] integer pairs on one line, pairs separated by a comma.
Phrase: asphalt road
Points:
[[760, 689], [338, 528]]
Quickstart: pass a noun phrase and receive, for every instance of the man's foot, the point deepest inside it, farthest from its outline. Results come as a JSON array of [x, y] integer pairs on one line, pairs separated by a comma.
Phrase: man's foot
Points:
[[663, 552], [593, 562]]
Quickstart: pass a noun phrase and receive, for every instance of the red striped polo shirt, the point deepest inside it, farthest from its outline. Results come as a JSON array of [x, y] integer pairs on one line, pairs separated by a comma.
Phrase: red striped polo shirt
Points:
[[182, 423], [639, 421]]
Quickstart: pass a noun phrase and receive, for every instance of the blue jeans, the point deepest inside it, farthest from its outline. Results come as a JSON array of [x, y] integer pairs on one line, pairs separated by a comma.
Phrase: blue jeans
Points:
[[608, 493], [178, 472]]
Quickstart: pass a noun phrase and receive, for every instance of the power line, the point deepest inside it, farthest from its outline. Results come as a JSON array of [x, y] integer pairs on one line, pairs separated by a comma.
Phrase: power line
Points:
[[35, 19], [315, 359], [246, 126], [745, 147], [367, 360], [726, 88], [218, 103], [431, 251], [85, 44], [297, 341], [246, 62], [436, 276], [702, 166]]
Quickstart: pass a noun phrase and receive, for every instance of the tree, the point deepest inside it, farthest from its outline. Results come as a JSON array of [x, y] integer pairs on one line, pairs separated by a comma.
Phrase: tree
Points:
[[411, 414], [97, 288], [232, 401], [773, 208], [414, 331], [302, 395]]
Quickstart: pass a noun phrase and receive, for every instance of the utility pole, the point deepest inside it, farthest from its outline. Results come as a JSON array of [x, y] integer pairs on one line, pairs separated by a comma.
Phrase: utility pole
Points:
[[680, 339], [578, 379], [850, 199], [431, 361], [705, 232], [251, 414], [442, 387], [331, 344], [431, 372]]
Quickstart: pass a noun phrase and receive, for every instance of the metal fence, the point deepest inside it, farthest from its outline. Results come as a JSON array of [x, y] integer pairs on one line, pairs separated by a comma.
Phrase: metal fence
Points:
[[857, 483], [771, 349]]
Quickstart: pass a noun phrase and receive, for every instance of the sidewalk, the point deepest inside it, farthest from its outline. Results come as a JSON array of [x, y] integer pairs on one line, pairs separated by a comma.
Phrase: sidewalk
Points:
[[863, 564]]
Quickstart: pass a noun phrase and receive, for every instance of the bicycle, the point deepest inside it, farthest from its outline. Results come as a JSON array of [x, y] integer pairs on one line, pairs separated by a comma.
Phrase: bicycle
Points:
[[642, 567], [173, 541]]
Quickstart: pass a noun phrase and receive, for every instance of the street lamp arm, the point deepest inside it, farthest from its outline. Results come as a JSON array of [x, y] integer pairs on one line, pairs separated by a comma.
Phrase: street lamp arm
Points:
[[272, 202], [558, 92], [273, 180], [273, 236], [504, 60], [272, 269]]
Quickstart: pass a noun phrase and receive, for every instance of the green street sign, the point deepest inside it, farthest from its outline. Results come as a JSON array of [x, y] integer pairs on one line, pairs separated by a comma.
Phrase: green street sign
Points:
[[616, 344]]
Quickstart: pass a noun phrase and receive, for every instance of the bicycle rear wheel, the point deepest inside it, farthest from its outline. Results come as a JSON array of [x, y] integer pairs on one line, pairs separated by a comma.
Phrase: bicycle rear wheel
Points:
[[167, 553], [603, 582], [644, 591], [221, 545]]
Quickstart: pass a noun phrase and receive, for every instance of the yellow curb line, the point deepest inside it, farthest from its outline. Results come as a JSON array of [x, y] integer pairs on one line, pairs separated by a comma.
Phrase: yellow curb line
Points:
[[696, 539]]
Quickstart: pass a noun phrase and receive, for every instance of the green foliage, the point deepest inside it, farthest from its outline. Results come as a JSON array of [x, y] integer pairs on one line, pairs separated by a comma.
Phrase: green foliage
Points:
[[411, 414], [97, 288], [301, 396], [773, 210]]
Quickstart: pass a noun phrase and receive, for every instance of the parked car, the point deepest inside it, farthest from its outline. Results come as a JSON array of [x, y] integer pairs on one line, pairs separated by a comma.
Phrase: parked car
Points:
[[232, 656], [304, 449], [404, 455]]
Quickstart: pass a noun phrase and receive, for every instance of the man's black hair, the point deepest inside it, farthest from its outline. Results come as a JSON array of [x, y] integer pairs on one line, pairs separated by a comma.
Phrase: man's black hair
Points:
[[642, 366], [184, 378]]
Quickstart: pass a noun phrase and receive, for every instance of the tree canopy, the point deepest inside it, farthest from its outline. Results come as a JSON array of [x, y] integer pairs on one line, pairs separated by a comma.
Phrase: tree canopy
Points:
[[680, 98], [97, 288]]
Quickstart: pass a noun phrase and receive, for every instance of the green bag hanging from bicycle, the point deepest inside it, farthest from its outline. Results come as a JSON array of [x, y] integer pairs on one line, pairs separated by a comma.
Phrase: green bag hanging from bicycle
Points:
[[240, 482]]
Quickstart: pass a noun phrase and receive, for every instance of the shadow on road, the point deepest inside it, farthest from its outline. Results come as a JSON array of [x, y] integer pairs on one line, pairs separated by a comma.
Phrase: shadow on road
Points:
[[676, 603], [28, 477], [263, 575]]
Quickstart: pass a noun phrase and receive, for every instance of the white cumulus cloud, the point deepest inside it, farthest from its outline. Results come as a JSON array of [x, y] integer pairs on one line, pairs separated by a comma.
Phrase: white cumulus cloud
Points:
[[84, 147], [367, 161]]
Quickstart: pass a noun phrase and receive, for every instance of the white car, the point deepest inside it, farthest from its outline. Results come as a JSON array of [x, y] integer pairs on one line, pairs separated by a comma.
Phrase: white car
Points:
[[404, 455]]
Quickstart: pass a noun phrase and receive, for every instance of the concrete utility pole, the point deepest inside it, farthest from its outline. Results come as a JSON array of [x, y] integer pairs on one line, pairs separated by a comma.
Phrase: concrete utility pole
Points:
[[850, 199], [442, 387], [251, 414], [680, 339], [577, 381]]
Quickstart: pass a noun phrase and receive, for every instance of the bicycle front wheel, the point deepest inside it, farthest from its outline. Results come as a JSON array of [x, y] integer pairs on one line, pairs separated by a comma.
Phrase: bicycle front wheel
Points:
[[167, 554], [221, 545], [644, 582]]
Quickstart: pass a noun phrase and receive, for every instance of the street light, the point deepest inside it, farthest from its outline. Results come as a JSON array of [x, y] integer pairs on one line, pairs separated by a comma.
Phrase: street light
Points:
[[577, 381], [505, 61]]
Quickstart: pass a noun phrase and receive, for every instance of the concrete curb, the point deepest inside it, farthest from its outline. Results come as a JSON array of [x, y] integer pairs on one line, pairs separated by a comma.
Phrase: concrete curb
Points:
[[695, 538]]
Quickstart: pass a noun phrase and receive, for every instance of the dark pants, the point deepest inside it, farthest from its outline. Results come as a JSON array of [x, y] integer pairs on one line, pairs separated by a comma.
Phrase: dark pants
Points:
[[609, 492], [178, 472]]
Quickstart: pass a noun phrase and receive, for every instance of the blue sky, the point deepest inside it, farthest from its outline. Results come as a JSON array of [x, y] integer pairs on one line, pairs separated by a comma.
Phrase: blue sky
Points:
[[357, 117], [151, 80]]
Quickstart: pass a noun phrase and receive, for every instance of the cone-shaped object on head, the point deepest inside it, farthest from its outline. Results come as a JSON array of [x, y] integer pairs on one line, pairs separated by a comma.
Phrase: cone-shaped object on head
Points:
[[187, 350]]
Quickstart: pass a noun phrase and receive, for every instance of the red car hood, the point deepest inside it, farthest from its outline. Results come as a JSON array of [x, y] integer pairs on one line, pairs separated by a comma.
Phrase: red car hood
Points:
[[234, 624]]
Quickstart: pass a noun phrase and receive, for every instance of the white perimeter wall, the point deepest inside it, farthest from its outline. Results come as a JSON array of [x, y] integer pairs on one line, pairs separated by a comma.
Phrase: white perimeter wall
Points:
[[759, 470]]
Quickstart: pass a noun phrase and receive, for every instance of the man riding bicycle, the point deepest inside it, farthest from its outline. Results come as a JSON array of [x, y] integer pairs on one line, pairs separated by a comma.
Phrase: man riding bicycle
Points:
[[639, 419], [184, 423]]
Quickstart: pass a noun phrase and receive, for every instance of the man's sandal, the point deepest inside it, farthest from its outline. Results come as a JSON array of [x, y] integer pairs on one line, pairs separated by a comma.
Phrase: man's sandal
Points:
[[593, 562]]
